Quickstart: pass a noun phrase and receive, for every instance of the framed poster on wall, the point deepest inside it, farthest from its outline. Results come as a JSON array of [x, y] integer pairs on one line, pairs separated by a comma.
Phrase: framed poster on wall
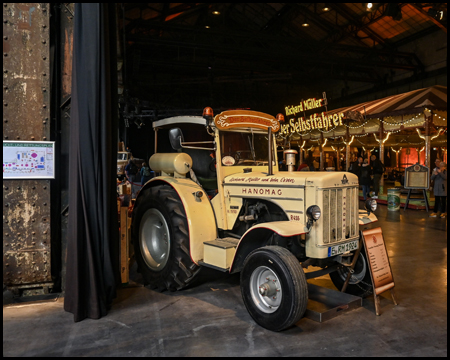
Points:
[[28, 160]]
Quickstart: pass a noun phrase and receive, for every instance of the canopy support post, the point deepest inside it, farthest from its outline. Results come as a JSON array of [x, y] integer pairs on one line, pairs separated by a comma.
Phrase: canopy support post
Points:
[[428, 122], [321, 152], [300, 150], [347, 149], [381, 155]]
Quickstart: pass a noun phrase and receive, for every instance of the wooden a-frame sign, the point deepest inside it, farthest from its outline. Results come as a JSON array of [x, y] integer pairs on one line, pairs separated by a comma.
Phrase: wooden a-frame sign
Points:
[[380, 268]]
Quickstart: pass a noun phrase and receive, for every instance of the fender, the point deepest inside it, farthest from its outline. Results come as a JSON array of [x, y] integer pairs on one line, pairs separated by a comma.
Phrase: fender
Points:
[[200, 215], [257, 235], [365, 219]]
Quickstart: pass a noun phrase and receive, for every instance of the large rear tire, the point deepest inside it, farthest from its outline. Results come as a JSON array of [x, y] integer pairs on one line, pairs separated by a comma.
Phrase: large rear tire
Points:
[[160, 237], [274, 287]]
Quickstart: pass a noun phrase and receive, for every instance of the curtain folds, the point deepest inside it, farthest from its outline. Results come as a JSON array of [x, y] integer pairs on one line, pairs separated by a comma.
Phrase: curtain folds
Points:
[[93, 241]]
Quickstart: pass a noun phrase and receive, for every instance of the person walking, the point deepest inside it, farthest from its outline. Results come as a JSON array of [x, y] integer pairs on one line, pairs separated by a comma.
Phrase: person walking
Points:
[[440, 190], [378, 169], [364, 178]]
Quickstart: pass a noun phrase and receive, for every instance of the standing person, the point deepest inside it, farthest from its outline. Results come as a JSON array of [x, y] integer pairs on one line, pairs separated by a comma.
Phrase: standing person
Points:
[[146, 173], [130, 171], [353, 165], [316, 164], [377, 170], [436, 162], [364, 178], [357, 166], [440, 190]]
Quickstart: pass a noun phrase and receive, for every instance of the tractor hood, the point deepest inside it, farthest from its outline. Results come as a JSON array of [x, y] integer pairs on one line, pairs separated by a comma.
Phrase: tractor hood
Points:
[[295, 179]]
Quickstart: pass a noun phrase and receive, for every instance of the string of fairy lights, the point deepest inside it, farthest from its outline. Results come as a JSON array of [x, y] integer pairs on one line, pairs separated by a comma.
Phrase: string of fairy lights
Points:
[[385, 121]]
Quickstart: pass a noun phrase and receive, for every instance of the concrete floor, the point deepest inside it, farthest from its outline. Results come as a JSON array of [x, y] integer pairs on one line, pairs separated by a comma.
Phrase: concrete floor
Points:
[[210, 319]]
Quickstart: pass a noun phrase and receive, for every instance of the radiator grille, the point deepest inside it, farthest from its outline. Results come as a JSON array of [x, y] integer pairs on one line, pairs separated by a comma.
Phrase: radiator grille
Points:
[[339, 214]]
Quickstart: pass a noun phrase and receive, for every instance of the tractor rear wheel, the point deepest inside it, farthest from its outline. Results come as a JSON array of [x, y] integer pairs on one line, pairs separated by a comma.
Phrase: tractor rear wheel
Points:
[[160, 237]]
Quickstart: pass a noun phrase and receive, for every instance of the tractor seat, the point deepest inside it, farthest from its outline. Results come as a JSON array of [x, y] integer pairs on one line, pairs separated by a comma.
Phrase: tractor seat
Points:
[[203, 166]]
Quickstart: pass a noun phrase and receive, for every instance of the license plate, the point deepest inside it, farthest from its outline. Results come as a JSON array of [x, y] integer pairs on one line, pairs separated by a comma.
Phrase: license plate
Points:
[[342, 248]]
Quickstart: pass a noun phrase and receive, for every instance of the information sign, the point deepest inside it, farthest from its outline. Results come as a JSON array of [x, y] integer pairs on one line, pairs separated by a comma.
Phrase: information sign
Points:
[[380, 268], [417, 177], [28, 160]]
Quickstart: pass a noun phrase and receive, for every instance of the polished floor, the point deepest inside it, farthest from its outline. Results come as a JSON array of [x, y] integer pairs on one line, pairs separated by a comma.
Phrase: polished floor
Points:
[[210, 319]]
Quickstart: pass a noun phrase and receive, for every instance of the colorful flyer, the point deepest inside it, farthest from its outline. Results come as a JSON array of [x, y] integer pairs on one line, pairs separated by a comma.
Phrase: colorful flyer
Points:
[[28, 160]]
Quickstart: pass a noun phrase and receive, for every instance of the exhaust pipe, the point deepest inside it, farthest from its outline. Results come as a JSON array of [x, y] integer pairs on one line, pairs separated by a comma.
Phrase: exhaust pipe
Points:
[[270, 152]]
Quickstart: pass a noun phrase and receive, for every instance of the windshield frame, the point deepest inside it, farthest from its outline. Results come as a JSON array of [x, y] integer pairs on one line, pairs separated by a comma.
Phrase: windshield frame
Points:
[[249, 148]]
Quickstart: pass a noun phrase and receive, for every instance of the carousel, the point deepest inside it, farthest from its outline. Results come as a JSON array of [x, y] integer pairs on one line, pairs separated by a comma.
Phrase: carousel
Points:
[[401, 130]]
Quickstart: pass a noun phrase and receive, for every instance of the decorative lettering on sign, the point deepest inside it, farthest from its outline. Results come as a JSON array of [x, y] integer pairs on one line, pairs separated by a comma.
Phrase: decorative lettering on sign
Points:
[[315, 121], [258, 179], [242, 118], [261, 191]]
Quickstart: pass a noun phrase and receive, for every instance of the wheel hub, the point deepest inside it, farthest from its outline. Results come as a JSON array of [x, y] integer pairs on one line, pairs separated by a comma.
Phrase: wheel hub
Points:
[[265, 289], [154, 239], [268, 289]]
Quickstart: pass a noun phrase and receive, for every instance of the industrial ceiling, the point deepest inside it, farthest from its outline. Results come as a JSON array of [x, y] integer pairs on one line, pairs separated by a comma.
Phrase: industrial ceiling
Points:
[[180, 56]]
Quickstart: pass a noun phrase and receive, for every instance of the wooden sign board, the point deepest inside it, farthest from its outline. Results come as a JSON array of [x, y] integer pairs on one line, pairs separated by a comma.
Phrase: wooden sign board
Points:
[[380, 268], [417, 177], [228, 120]]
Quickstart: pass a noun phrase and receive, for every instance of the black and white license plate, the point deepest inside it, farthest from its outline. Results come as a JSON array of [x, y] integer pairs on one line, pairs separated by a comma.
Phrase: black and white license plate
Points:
[[342, 248]]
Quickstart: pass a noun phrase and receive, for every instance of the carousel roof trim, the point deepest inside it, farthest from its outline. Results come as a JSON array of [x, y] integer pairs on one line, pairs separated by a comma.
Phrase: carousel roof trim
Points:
[[410, 102]]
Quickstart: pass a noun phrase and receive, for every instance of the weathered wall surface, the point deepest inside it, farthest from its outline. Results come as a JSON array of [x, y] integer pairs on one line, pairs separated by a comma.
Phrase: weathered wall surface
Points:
[[26, 112]]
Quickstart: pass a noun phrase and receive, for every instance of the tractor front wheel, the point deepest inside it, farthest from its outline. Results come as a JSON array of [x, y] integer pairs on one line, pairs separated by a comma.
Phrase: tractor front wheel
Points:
[[274, 287]]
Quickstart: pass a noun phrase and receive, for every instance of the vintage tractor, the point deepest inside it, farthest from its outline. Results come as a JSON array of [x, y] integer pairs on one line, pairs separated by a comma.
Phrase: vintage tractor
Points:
[[221, 202]]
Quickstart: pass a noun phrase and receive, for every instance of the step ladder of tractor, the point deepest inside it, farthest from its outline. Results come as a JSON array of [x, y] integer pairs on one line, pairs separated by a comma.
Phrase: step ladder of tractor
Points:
[[219, 253]]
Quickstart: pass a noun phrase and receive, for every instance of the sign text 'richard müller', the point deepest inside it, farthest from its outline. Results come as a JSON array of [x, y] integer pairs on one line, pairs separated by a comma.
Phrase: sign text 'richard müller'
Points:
[[315, 121]]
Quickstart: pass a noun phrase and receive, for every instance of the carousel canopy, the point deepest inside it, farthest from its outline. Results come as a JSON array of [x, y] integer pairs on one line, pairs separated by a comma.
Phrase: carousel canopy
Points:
[[397, 113], [433, 98]]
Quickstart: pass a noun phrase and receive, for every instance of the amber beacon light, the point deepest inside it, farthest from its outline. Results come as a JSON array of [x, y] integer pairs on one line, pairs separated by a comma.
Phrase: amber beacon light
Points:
[[208, 113], [280, 118]]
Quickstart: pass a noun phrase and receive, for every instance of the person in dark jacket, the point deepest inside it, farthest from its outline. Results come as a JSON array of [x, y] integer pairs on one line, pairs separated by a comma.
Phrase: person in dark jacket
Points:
[[364, 178], [377, 170], [440, 190], [357, 165], [146, 173], [353, 165]]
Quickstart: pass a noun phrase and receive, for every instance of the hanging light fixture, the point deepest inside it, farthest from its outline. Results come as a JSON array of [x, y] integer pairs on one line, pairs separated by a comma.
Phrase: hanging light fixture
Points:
[[305, 23]]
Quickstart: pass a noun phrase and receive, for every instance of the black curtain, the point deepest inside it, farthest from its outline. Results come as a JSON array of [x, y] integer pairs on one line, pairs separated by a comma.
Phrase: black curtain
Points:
[[93, 241]]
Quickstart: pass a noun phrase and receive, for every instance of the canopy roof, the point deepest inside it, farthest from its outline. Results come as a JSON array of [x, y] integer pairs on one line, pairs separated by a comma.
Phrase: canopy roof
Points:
[[433, 98], [399, 113]]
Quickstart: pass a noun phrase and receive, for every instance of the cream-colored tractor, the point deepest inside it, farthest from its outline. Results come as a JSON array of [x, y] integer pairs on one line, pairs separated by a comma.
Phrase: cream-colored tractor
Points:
[[221, 202]]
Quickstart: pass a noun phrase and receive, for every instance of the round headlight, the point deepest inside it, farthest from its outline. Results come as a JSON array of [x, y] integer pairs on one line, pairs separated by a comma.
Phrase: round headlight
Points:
[[371, 205], [314, 212]]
